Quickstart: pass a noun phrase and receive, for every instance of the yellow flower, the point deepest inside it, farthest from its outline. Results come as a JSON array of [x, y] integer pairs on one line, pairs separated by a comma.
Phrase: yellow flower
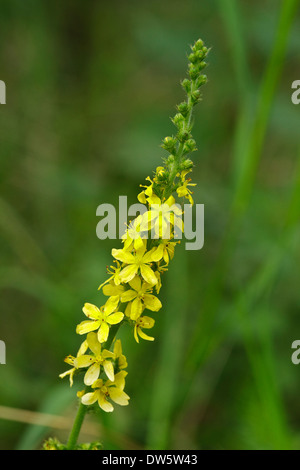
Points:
[[183, 190], [143, 322], [140, 297], [101, 319], [114, 271], [138, 262], [168, 250], [132, 236], [71, 359], [162, 216], [95, 361], [146, 193], [112, 289], [103, 391]]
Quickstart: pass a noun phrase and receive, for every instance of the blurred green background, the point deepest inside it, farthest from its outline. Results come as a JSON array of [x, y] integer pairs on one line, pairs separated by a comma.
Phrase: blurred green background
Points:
[[90, 89]]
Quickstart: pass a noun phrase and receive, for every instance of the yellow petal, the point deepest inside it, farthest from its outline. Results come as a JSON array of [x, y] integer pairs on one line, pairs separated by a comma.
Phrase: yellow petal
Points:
[[83, 348], [144, 336], [154, 200], [152, 303], [128, 273], [170, 201], [115, 318], [104, 404], [91, 311], [146, 322], [87, 326], [118, 348], [92, 374], [109, 370], [128, 309], [136, 283], [128, 295], [119, 381], [111, 289], [142, 198], [89, 398], [157, 254], [118, 396], [148, 274], [123, 256], [93, 343], [106, 354], [135, 333], [103, 332], [136, 309], [111, 304], [83, 361]]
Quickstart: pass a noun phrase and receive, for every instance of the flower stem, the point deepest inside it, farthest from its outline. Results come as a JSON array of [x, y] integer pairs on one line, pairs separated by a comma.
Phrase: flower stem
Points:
[[76, 427]]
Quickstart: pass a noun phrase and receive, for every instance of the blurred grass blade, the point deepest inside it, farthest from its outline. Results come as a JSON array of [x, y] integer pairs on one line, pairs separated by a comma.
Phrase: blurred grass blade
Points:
[[265, 100], [205, 328]]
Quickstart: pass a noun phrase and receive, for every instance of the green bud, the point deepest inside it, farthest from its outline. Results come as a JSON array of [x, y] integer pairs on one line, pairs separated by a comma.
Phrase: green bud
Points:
[[171, 159], [193, 71], [189, 146], [195, 96], [90, 446], [53, 444], [198, 45], [186, 85], [183, 108], [183, 135], [192, 58], [169, 143], [197, 56], [178, 120], [186, 165], [202, 65], [201, 80]]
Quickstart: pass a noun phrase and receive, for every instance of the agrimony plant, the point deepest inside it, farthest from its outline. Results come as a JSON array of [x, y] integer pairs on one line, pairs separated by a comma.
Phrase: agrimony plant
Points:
[[135, 276]]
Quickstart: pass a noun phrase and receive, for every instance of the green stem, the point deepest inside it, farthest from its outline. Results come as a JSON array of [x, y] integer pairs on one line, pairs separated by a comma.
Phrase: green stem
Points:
[[76, 427], [178, 156]]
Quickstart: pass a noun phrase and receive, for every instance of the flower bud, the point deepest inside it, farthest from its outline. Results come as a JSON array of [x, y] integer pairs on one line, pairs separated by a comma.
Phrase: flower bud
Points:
[[186, 165], [195, 96], [189, 146], [201, 80], [169, 144], [178, 119], [193, 71], [183, 108], [183, 135], [186, 85], [170, 160], [198, 45]]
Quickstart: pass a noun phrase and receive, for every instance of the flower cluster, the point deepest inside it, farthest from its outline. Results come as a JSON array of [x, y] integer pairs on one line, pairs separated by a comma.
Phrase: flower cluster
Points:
[[135, 277]]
